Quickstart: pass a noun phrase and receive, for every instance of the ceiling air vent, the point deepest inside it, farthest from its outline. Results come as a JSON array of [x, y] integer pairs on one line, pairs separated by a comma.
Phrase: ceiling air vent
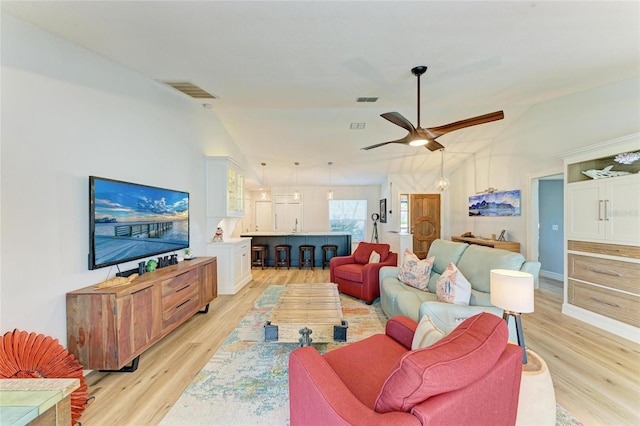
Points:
[[365, 99], [190, 89]]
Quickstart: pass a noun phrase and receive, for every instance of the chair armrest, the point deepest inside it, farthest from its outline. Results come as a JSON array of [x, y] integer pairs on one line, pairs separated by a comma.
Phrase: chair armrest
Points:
[[401, 329], [317, 396], [372, 270], [337, 261]]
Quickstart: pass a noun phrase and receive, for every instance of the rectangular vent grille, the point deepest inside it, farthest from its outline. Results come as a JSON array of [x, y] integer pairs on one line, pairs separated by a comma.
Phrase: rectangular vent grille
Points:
[[365, 99], [190, 89], [357, 126]]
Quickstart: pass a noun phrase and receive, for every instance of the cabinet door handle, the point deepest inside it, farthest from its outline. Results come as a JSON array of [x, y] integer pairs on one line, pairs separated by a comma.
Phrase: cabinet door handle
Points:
[[183, 288], [183, 303], [604, 272], [600, 209], [606, 208]]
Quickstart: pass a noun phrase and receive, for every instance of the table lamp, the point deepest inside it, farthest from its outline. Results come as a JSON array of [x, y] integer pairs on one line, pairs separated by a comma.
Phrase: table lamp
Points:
[[513, 292]]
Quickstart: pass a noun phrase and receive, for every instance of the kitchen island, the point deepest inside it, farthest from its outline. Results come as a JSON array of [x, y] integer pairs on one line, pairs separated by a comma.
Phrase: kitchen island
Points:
[[295, 240]]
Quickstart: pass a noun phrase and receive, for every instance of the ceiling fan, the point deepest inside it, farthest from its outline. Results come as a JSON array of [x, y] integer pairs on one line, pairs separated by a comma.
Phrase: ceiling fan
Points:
[[419, 136]]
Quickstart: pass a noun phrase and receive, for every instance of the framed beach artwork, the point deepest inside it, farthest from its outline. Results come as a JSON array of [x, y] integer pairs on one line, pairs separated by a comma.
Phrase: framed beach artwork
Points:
[[501, 203]]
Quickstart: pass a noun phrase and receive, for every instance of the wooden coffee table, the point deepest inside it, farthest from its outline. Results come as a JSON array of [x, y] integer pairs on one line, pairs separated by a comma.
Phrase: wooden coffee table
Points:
[[306, 309]]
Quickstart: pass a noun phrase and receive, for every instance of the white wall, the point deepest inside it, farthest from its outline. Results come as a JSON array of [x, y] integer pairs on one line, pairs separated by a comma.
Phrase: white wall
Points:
[[573, 121], [68, 114]]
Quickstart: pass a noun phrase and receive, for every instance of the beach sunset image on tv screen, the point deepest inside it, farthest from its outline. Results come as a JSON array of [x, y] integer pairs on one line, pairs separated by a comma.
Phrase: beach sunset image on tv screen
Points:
[[131, 221]]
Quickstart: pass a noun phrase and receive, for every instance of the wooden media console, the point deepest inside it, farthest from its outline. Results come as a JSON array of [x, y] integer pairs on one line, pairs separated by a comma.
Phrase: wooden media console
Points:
[[108, 328]]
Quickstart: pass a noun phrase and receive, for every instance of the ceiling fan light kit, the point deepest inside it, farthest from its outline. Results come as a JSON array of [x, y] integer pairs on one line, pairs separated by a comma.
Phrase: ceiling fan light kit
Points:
[[419, 136]]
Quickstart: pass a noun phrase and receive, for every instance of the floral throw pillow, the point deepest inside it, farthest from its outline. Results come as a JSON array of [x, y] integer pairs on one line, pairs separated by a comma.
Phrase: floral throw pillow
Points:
[[415, 272], [453, 287]]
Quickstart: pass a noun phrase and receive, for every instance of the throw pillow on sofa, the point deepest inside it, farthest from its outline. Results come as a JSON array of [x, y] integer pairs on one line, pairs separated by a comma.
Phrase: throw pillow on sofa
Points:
[[453, 287], [375, 257], [426, 333], [415, 272]]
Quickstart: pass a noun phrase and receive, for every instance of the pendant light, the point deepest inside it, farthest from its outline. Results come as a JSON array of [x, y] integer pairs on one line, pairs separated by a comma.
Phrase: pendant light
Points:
[[296, 193], [263, 190], [330, 191], [442, 183]]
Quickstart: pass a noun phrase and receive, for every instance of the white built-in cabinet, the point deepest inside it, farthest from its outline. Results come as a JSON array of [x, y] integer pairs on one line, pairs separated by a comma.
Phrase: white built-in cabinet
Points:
[[225, 187], [602, 238], [605, 209], [234, 263]]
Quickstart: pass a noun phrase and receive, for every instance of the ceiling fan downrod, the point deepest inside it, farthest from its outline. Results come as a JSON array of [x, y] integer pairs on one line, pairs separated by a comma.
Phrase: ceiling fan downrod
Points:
[[418, 71]]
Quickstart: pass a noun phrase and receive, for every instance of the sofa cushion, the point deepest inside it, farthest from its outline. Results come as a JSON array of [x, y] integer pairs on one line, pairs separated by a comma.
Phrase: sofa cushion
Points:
[[477, 261], [353, 362], [456, 361], [364, 250], [414, 271], [445, 252], [349, 271], [453, 287], [426, 334]]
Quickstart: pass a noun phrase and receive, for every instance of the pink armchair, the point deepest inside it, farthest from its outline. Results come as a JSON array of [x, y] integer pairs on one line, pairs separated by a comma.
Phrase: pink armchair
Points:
[[470, 377], [357, 277]]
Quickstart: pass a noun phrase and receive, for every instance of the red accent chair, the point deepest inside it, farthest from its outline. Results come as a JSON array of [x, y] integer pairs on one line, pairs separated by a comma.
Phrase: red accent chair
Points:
[[357, 277], [470, 377]]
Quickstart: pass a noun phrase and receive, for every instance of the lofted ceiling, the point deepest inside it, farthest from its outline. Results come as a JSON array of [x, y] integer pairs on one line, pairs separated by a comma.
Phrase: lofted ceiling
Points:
[[288, 73]]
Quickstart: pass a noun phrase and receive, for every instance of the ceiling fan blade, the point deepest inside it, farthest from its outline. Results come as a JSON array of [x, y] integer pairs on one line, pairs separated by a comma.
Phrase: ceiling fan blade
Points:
[[432, 145], [481, 119], [404, 140], [399, 120]]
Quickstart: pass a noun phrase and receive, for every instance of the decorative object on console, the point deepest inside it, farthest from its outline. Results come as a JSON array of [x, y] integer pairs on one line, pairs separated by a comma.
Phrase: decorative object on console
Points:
[[513, 292], [502, 203], [217, 237], [29, 355], [151, 265], [442, 183]]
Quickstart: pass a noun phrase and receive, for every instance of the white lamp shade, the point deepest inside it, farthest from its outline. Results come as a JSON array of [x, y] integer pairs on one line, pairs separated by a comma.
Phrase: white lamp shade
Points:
[[512, 290]]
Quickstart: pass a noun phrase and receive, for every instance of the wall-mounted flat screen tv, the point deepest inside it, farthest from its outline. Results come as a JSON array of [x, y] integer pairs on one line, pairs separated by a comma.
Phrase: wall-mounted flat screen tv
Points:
[[129, 221]]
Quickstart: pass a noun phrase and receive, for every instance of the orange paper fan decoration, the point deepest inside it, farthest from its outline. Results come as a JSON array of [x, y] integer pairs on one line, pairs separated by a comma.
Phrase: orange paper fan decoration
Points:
[[29, 355]]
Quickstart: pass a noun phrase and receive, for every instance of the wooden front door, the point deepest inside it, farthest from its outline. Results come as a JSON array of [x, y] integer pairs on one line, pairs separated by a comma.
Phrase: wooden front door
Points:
[[425, 221]]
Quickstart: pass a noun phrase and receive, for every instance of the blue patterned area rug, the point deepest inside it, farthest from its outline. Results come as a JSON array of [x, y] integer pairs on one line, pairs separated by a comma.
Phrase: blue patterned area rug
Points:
[[246, 381]]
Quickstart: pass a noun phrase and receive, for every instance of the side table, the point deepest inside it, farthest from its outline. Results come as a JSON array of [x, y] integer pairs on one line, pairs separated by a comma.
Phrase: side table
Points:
[[537, 402]]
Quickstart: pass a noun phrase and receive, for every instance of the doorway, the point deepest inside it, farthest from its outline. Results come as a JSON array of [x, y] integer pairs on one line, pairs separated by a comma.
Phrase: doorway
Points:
[[546, 224], [264, 219], [424, 211]]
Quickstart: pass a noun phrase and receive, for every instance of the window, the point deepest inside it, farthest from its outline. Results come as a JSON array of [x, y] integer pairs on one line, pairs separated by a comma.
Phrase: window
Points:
[[404, 213], [348, 216]]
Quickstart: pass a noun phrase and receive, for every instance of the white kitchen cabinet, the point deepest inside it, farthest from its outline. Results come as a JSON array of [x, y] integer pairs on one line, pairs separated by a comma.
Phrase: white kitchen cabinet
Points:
[[225, 187], [234, 263], [605, 209], [288, 213]]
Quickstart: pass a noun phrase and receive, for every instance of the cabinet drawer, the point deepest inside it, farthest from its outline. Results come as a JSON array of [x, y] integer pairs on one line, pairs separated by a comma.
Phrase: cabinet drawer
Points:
[[600, 248], [610, 303], [611, 273], [180, 296], [177, 284]]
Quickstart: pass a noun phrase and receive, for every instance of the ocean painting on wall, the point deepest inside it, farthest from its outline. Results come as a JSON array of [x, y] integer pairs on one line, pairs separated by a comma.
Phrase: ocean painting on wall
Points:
[[503, 203]]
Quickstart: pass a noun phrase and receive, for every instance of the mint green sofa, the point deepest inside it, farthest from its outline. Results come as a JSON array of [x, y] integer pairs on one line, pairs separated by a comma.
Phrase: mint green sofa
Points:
[[474, 262]]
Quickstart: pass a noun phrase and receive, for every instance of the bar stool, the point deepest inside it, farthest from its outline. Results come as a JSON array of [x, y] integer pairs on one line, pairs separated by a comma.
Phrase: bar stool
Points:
[[304, 249], [259, 254], [286, 260], [325, 251]]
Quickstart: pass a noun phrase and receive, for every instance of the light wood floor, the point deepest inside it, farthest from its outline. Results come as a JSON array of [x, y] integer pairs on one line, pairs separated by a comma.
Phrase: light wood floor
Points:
[[596, 375]]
